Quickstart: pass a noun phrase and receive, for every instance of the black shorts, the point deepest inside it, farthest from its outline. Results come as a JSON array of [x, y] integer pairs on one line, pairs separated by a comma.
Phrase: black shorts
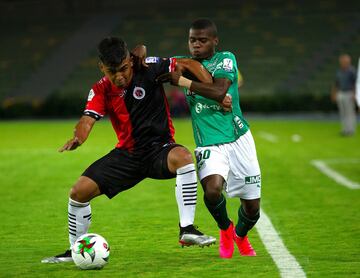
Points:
[[120, 170]]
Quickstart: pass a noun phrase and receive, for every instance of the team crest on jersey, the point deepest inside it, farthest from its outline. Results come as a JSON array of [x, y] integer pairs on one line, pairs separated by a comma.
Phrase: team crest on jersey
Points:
[[139, 93], [91, 95], [152, 60], [228, 64]]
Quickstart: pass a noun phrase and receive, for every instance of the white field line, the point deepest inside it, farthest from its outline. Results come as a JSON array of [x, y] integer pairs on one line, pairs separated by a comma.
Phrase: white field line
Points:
[[296, 138], [336, 176], [268, 136], [285, 262]]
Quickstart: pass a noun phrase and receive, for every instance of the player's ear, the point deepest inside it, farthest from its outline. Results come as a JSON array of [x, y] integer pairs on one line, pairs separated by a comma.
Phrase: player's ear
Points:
[[101, 67], [216, 41], [131, 61]]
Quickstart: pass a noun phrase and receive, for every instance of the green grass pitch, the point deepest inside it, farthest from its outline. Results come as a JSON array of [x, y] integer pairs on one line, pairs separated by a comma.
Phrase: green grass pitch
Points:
[[317, 218]]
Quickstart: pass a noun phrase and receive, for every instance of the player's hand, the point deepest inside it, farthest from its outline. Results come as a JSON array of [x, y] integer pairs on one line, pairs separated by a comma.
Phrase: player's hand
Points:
[[138, 54], [70, 145], [172, 77], [226, 103]]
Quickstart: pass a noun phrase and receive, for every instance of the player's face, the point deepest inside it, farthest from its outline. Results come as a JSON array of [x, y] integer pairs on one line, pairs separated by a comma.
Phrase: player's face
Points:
[[202, 43], [120, 75]]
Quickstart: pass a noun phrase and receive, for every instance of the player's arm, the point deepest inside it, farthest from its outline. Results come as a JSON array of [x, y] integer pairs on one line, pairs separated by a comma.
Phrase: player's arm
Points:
[[216, 90], [138, 54], [81, 133], [334, 91], [207, 87]]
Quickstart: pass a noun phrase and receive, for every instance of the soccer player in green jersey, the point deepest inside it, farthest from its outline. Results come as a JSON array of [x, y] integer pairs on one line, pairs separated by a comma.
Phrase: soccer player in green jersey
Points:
[[226, 154]]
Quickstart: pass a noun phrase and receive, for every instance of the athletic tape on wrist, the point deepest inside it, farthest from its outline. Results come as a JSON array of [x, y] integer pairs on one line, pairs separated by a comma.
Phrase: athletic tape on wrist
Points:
[[184, 82]]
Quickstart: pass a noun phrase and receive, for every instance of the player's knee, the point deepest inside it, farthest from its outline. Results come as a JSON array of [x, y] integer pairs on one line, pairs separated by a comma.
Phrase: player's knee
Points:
[[75, 194], [78, 194], [252, 208], [186, 157], [181, 157], [213, 193]]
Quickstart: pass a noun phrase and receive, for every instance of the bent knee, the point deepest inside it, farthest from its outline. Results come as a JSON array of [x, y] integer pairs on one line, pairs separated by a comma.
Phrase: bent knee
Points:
[[252, 208], [185, 157], [75, 193], [213, 194], [179, 157], [84, 190]]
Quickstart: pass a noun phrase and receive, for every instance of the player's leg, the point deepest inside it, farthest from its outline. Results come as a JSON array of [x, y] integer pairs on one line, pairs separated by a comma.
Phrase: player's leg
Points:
[[248, 215], [342, 111], [213, 170], [79, 214], [79, 209], [244, 182], [170, 161], [115, 172], [350, 114], [215, 202], [180, 161]]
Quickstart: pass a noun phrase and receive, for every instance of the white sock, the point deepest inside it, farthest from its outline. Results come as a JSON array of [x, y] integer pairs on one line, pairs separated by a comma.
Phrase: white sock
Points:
[[79, 217], [186, 194]]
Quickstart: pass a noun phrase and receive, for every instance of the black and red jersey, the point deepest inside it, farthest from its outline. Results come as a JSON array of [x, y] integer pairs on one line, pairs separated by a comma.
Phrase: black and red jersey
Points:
[[140, 113]]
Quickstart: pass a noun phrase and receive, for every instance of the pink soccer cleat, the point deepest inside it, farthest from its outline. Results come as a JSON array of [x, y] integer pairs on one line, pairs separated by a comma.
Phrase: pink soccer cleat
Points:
[[244, 245], [226, 248]]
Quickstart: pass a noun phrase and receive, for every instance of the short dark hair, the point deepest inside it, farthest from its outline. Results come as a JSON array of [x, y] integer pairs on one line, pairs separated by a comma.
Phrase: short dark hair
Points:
[[112, 51], [204, 23]]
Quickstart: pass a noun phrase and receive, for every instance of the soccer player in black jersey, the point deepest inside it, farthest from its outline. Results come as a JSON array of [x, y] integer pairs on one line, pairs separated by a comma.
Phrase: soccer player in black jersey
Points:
[[136, 105]]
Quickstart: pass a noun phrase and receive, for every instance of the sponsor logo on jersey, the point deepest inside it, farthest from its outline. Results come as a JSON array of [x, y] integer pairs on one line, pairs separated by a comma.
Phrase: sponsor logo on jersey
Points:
[[189, 93], [152, 60], [253, 179], [199, 107], [238, 121], [228, 64], [139, 93], [91, 95]]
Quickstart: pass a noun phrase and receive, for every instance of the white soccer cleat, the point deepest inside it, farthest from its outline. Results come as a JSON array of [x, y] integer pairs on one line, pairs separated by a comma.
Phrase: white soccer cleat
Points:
[[61, 258], [189, 235]]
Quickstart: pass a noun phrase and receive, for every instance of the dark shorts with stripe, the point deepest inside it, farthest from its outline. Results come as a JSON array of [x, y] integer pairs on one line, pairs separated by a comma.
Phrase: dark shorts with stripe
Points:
[[120, 170]]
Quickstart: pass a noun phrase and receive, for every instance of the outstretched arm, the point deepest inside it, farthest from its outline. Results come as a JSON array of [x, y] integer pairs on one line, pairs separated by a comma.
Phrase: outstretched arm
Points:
[[81, 133]]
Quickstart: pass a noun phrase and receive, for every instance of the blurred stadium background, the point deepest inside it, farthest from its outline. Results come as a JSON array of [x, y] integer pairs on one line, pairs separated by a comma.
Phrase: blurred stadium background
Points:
[[287, 50]]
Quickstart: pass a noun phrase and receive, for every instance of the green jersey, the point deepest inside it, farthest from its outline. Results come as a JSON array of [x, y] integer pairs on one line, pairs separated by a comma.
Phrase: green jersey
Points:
[[211, 124]]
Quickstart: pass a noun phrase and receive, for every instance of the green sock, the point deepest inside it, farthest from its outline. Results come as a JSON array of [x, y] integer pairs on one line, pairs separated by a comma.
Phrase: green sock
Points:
[[245, 223], [219, 213]]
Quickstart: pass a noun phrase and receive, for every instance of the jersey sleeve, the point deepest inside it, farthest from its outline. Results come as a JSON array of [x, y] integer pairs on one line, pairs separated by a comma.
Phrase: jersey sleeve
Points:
[[226, 67], [161, 65], [95, 106]]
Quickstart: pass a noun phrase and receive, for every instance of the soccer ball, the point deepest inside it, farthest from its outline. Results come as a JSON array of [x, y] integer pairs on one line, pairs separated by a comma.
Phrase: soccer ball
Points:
[[90, 251]]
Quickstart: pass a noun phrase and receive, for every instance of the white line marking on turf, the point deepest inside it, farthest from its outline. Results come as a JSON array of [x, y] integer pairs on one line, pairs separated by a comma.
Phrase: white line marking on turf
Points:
[[336, 176], [268, 136], [285, 262], [296, 138]]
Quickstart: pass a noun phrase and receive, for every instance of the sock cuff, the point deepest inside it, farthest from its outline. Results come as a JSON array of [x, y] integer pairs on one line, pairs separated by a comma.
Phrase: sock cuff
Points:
[[186, 169], [77, 204]]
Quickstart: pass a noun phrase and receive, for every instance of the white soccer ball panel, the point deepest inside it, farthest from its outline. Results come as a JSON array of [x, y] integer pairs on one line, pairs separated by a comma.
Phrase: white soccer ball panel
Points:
[[90, 251]]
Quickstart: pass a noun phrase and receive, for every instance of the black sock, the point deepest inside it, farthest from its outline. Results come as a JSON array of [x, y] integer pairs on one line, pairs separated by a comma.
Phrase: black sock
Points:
[[245, 223], [219, 213]]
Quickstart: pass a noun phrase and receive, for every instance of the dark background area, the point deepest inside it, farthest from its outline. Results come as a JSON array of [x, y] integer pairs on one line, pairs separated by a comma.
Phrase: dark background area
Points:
[[287, 51]]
